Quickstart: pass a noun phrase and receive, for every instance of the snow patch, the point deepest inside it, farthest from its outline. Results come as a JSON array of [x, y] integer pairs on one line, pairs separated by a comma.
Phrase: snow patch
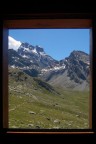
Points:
[[60, 67], [15, 58], [88, 63], [13, 44], [26, 49], [13, 66], [56, 68], [34, 51], [44, 70], [24, 56], [42, 53]]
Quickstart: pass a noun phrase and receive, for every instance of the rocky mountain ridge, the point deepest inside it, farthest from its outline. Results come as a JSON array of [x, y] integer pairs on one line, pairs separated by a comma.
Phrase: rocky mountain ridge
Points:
[[71, 72]]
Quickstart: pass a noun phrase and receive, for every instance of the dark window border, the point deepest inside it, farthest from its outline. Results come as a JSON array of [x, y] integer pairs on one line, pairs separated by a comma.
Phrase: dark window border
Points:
[[55, 20]]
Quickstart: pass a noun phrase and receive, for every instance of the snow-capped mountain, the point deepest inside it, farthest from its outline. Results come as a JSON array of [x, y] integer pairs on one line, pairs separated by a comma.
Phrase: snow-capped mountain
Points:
[[28, 57], [71, 72], [13, 44], [36, 55]]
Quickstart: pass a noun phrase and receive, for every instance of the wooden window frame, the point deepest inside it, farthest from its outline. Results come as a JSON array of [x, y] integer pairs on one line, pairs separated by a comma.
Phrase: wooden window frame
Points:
[[47, 21]]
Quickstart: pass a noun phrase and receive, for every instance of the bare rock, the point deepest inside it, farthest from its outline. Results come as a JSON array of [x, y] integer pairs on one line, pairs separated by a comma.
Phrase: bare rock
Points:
[[31, 112]]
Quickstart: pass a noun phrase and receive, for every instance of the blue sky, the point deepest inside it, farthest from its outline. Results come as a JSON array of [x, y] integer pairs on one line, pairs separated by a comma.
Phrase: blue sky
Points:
[[58, 43]]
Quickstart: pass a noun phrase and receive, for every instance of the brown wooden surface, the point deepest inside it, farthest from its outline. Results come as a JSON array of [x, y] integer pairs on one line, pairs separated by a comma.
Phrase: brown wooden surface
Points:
[[36, 23], [48, 23]]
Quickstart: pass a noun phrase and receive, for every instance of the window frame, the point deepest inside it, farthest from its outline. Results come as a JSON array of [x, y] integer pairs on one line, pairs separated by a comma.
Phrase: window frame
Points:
[[48, 21]]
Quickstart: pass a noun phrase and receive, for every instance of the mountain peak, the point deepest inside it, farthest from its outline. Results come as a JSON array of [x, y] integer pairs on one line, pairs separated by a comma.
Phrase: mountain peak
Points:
[[26, 48], [39, 49], [79, 55], [27, 45], [76, 52]]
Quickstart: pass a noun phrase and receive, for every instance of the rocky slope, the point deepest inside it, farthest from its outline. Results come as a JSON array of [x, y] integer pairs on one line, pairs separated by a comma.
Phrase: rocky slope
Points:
[[71, 72]]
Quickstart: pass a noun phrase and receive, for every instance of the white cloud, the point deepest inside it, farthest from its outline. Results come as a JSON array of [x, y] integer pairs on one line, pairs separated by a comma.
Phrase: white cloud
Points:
[[13, 44]]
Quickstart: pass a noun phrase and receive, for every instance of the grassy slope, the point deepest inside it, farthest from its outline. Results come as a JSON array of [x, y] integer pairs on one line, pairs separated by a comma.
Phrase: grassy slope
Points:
[[32, 106]]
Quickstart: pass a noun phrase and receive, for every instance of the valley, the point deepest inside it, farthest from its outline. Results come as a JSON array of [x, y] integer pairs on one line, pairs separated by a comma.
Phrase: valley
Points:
[[45, 93], [33, 106]]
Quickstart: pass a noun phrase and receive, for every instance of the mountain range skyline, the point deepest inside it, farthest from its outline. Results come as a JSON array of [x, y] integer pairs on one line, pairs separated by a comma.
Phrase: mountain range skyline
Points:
[[58, 43], [45, 92], [73, 71]]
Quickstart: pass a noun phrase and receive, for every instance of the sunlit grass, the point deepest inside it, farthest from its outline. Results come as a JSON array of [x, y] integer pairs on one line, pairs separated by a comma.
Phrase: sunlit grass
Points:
[[33, 106]]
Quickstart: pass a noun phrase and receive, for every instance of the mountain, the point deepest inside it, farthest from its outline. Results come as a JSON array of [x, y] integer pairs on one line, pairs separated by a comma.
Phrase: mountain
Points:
[[30, 58], [37, 85], [71, 72]]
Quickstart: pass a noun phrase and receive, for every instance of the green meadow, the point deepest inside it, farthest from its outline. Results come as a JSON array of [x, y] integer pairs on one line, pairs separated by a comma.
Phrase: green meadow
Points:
[[37, 105]]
